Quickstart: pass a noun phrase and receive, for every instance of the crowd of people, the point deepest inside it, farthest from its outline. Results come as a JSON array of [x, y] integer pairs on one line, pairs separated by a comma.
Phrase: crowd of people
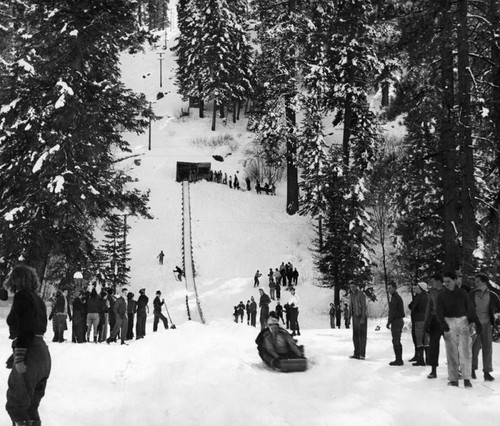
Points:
[[103, 316], [336, 315], [446, 308], [233, 182]]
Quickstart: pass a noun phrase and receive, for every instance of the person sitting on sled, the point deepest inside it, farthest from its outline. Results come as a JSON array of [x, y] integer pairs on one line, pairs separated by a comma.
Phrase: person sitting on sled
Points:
[[275, 343]]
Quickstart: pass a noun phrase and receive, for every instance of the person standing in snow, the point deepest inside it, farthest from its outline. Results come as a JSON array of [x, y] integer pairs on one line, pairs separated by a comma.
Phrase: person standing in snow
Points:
[[277, 276], [338, 315], [104, 316], [256, 278], [121, 322], [347, 315], [486, 304], [142, 313], [257, 187], [253, 312], [179, 273], [279, 312], [93, 308], [247, 181], [289, 273], [230, 182], [286, 307], [157, 304], [247, 307], [295, 277], [240, 311], [78, 324], [131, 310], [30, 363], [332, 315], [294, 302], [236, 182], [418, 307], [278, 291], [455, 313], [264, 308], [359, 321], [160, 257], [395, 322], [61, 312], [432, 326]]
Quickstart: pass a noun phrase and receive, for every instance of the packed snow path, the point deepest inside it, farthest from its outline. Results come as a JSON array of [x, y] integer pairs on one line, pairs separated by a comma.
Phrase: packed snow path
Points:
[[192, 292]]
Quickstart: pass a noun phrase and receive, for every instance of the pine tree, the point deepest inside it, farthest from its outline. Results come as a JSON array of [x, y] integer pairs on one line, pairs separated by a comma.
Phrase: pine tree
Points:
[[115, 252], [63, 107]]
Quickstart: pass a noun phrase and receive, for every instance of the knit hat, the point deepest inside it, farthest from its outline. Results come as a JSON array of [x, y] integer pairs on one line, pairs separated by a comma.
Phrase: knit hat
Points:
[[272, 321], [422, 285]]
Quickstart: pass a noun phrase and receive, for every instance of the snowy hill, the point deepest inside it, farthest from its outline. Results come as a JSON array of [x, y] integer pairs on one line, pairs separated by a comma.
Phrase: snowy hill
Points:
[[211, 375]]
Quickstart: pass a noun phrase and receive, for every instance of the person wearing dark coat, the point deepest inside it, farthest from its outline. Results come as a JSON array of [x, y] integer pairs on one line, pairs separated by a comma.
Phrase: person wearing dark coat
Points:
[[332, 315], [347, 316], [30, 362], [240, 311], [78, 322], [295, 276], [279, 312], [432, 326], [486, 304], [61, 311], [256, 278], [264, 308], [93, 309], [247, 307], [395, 322], [418, 306], [287, 309], [131, 310], [247, 180], [157, 304], [253, 312], [104, 316], [121, 322], [142, 313], [338, 316]]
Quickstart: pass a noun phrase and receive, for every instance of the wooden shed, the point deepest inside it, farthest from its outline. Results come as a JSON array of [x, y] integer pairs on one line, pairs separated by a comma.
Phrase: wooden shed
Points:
[[192, 172]]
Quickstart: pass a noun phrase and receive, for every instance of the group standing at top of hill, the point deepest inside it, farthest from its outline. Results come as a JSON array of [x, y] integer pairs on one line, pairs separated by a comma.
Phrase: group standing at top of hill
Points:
[[234, 182]]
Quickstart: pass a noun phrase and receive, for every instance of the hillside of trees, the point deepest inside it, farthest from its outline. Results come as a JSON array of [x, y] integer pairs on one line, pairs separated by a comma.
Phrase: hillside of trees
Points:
[[428, 202]]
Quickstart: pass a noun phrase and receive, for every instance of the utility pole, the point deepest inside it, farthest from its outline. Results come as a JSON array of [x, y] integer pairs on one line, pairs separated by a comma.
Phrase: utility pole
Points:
[[150, 111], [161, 69]]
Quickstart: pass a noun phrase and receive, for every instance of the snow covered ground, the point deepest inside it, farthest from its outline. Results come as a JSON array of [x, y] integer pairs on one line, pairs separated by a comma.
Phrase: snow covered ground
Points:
[[211, 375]]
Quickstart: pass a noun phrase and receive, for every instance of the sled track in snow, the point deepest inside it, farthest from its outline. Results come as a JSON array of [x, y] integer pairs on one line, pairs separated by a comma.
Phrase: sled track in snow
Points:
[[187, 255]]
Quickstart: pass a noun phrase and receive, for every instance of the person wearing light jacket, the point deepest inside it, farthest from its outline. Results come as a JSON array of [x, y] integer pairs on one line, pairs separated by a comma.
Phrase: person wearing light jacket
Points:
[[294, 303]]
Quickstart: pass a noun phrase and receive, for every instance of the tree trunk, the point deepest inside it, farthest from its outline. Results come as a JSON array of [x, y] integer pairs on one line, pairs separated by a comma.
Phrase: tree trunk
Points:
[[447, 141], [239, 109], [234, 112], [222, 110], [469, 228], [214, 116], [494, 103], [292, 178], [202, 108]]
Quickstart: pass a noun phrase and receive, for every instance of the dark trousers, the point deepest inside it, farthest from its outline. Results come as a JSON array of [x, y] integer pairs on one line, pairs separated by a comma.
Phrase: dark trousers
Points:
[[483, 341], [396, 330], [61, 326], [121, 325], [158, 316], [435, 334], [25, 391], [130, 326], [338, 320], [78, 331], [294, 320], [140, 328], [253, 318], [264, 313], [359, 335]]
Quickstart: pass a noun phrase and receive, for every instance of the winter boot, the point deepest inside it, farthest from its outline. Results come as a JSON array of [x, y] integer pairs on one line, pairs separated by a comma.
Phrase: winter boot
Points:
[[467, 384], [488, 377], [432, 374], [420, 358], [415, 357], [398, 351]]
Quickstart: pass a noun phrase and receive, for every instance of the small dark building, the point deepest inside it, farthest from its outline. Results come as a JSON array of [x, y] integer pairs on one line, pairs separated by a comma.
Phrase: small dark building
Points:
[[192, 172]]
